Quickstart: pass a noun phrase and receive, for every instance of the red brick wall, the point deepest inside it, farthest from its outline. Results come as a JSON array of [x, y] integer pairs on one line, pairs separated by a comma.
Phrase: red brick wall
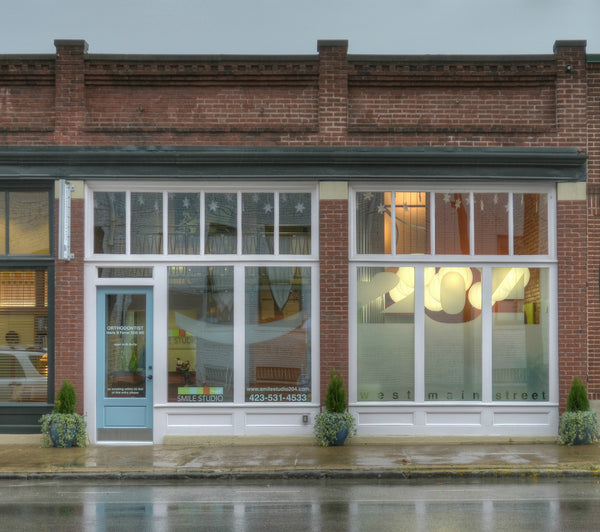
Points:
[[69, 310], [593, 221], [330, 99], [333, 237]]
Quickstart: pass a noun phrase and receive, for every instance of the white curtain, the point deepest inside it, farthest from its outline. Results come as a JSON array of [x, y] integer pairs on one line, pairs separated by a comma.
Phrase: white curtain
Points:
[[280, 279]]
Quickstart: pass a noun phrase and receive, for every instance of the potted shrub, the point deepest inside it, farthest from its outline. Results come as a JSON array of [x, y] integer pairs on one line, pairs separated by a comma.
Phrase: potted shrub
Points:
[[335, 424], [63, 427], [578, 425]]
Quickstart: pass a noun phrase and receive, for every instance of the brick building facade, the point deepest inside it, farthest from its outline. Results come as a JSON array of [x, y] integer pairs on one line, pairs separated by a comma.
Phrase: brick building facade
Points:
[[346, 138]]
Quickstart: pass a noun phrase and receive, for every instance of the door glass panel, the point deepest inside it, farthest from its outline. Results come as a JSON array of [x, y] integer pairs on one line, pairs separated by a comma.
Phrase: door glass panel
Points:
[[125, 341], [200, 332], [278, 334]]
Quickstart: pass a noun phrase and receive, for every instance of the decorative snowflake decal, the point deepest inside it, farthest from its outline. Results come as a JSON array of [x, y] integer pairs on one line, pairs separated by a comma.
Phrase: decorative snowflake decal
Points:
[[381, 208], [267, 208], [299, 208], [213, 206], [186, 203]]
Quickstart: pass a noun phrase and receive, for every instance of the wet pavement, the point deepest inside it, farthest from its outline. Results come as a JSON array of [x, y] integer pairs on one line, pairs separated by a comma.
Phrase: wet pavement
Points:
[[422, 459]]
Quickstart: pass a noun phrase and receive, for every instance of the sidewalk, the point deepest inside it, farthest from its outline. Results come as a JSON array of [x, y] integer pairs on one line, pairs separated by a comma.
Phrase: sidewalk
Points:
[[27, 460]]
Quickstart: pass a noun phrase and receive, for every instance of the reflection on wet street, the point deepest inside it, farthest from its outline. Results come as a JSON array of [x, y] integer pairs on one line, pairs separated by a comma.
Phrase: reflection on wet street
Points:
[[446, 505]]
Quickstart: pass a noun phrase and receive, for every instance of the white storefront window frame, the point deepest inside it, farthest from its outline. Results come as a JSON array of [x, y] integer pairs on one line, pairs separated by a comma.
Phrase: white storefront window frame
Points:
[[191, 419], [485, 417]]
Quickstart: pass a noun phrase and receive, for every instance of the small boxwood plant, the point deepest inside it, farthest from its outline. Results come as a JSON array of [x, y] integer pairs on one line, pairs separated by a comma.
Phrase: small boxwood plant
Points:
[[578, 424], [64, 427], [335, 420]]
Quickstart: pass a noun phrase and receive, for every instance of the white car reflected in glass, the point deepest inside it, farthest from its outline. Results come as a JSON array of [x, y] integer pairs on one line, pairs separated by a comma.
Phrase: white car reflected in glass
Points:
[[23, 375]]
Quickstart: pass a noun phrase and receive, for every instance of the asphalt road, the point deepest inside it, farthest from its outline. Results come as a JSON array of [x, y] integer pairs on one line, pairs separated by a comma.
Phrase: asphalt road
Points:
[[545, 505]]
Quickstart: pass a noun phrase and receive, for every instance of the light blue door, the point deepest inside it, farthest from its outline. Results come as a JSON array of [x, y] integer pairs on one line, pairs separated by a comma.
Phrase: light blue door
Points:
[[124, 364]]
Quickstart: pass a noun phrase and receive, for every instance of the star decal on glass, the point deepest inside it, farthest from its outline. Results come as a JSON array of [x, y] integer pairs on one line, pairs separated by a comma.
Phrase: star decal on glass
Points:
[[446, 198], [300, 208], [140, 200], [186, 203], [368, 195], [457, 204], [213, 206], [267, 208], [381, 208]]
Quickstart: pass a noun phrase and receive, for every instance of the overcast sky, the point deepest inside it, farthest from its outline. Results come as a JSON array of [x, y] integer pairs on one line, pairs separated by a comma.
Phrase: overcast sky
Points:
[[294, 26]]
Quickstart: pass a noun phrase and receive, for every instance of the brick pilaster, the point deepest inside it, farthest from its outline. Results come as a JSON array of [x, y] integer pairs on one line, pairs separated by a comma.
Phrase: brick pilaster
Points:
[[333, 231], [333, 91], [70, 90]]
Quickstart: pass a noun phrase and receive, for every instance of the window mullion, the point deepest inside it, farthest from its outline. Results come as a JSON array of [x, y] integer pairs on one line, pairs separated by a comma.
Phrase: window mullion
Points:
[[165, 223], [419, 316], [432, 221], [486, 334], [239, 334], [128, 222], [471, 224], [511, 225], [276, 224], [202, 212]]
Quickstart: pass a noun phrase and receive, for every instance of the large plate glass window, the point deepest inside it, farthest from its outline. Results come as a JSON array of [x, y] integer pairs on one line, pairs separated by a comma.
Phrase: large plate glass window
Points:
[[278, 347], [200, 332], [485, 260], [23, 335]]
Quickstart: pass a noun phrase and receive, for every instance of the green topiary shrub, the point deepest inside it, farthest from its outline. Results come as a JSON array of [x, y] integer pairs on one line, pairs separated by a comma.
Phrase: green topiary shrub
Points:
[[335, 397], [578, 425], [66, 399], [577, 401], [63, 427], [335, 424]]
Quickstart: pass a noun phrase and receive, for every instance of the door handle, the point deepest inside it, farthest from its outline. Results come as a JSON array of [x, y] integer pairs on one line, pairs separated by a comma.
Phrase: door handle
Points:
[[149, 377]]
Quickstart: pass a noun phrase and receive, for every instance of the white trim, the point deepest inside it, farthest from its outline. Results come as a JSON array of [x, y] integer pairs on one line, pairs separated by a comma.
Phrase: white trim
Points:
[[201, 187], [485, 417], [239, 417]]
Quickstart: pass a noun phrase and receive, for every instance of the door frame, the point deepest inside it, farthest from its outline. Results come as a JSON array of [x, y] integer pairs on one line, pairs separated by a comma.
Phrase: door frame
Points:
[[137, 424]]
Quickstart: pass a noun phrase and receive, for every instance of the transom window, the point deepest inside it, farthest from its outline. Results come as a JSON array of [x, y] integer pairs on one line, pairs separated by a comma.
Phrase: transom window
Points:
[[203, 222], [454, 295], [451, 223], [24, 223]]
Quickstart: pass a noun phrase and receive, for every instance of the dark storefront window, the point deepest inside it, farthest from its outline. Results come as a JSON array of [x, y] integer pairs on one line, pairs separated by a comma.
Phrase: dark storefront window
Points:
[[25, 300]]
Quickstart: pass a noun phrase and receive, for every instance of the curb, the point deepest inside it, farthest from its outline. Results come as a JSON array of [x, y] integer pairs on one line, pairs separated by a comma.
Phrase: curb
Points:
[[441, 474]]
